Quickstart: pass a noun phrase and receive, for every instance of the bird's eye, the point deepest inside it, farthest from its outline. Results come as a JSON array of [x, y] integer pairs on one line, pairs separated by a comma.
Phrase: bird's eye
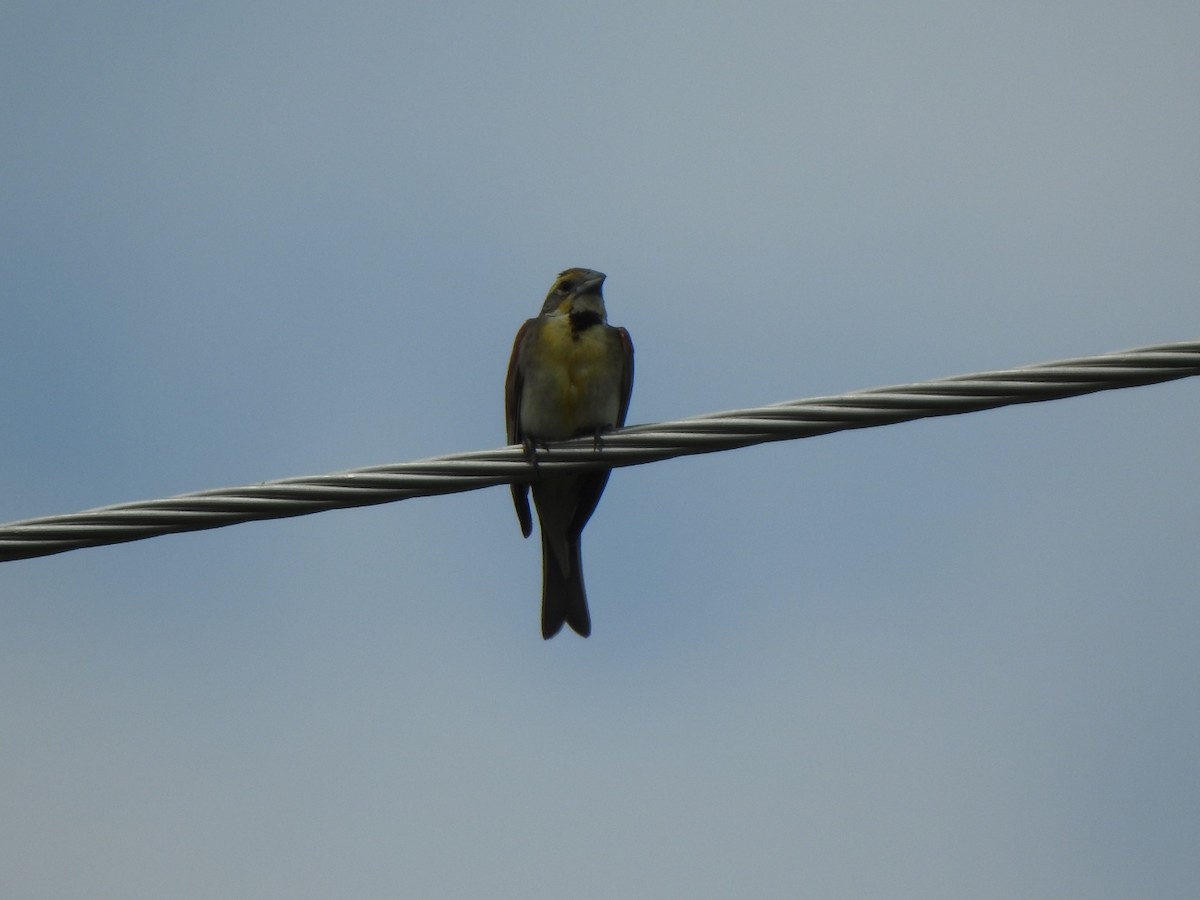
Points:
[[565, 287]]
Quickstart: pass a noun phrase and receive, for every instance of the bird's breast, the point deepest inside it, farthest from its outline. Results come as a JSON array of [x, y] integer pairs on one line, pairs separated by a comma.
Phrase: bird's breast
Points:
[[572, 381]]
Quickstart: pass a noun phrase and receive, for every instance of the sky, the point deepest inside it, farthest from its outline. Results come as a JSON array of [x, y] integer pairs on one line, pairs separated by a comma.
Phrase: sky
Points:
[[954, 658]]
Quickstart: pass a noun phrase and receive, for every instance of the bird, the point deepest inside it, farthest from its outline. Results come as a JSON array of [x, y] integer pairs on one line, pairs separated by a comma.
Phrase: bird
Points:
[[570, 375]]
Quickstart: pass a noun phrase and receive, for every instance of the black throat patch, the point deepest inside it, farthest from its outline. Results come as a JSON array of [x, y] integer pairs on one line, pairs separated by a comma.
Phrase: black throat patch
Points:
[[583, 320]]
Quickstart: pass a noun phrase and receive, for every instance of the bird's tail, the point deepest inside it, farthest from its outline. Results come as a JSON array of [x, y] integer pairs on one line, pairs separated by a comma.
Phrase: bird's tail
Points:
[[563, 596]]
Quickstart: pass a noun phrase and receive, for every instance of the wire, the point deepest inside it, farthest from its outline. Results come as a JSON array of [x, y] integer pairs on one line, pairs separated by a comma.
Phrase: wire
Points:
[[627, 447]]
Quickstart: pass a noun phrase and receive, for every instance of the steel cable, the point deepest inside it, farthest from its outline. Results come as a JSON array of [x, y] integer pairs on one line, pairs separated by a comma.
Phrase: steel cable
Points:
[[708, 433]]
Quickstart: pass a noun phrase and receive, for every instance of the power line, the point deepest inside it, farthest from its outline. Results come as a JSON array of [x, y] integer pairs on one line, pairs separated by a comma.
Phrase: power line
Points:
[[628, 447]]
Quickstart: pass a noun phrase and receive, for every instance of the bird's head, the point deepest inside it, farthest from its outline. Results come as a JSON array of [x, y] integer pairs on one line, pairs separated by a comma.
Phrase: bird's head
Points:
[[575, 290]]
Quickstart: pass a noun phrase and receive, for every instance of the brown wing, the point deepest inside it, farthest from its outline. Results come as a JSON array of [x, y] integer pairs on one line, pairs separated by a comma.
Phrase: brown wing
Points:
[[513, 383], [626, 376]]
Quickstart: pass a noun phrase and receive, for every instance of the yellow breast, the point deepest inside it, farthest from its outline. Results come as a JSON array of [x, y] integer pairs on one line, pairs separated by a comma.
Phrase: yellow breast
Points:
[[571, 381]]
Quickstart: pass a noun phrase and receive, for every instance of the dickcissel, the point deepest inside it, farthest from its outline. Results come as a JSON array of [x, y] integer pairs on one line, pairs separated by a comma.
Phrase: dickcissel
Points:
[[570, 375]]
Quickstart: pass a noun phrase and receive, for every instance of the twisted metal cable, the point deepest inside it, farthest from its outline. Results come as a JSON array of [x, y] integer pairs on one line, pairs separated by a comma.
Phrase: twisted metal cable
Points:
[[626, 447]]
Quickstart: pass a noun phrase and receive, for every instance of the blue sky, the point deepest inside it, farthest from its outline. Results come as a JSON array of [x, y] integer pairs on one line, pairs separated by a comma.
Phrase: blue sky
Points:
[[954, 658]]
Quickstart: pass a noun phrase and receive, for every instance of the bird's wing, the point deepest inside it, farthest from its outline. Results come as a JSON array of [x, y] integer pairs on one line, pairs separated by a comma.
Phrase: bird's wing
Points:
[[626, 375], [512, 388], [513, 383]]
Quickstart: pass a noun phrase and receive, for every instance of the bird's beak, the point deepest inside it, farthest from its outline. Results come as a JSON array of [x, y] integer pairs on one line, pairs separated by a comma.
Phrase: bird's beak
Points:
[[592, 284]]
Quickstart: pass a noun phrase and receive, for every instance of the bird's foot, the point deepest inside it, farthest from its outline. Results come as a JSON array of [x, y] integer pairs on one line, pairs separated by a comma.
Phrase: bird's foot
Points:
[[597, 433], [529, 446]]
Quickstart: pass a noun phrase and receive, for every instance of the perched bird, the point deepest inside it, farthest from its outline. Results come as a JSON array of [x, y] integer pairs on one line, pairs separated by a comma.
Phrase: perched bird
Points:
[[570, 375]]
